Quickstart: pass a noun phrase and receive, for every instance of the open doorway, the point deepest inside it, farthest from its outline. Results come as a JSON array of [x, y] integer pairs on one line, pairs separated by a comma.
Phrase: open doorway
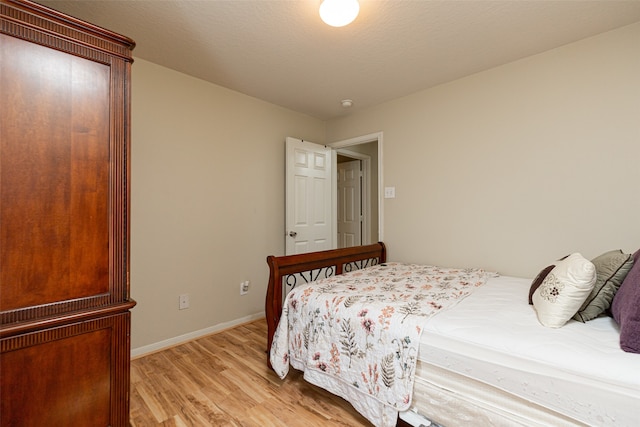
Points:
[[353, 208], [367, 150]]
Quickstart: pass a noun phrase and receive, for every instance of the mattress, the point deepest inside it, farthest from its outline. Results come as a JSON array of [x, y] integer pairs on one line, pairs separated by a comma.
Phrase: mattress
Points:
[[494, 338]]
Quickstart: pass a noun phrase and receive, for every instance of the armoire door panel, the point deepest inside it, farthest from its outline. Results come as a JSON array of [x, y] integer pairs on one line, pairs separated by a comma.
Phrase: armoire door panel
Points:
[[54, 182], [69, 375]]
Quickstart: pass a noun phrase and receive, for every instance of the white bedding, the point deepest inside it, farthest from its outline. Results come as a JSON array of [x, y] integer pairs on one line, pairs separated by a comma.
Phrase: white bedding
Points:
[[578, 370]]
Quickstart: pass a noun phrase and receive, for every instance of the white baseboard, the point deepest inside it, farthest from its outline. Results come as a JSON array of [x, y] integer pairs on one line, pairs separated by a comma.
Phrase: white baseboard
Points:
[[181, 339]]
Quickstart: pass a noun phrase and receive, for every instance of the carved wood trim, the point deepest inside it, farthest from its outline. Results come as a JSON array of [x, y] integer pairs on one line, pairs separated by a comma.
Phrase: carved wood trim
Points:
[[9, 330], [34, 312], [39, 24], [53, 334]]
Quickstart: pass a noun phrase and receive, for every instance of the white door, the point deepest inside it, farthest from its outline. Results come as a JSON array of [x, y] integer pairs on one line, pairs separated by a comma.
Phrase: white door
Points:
[[349, 204], [309, 215]]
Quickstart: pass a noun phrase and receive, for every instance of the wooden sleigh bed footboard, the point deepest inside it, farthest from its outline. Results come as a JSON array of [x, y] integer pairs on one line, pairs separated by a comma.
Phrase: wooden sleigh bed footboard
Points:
[[285, 272]]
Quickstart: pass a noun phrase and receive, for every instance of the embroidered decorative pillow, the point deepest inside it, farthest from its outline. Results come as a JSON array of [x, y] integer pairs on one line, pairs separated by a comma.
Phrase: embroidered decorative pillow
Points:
[[563, 291], [538, 281], [611, 269], [540, 278]]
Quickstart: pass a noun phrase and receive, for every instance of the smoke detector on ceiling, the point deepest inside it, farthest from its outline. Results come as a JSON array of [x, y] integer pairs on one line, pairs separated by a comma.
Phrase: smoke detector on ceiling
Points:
[[346, 103]]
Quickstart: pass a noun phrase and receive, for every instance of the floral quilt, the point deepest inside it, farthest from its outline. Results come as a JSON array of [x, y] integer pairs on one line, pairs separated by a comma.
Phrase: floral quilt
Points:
[[357, 334]]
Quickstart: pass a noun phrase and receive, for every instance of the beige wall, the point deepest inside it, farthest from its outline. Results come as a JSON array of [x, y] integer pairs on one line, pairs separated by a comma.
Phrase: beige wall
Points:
[[207, 200], [513, 167], [506, 169]]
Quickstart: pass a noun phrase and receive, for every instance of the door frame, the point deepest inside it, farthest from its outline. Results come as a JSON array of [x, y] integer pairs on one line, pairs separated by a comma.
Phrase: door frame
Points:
[[364, 139]]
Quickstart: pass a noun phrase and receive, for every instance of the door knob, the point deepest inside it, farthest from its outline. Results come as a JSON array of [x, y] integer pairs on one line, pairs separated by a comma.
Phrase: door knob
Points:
[[293, 234]]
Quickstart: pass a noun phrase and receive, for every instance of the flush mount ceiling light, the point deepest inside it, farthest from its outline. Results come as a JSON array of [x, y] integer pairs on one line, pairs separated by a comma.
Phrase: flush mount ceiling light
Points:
[[339, 13]]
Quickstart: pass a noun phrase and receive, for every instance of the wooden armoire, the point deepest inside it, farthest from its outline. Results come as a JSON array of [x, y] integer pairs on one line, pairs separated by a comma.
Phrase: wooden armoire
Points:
[[64, 220]]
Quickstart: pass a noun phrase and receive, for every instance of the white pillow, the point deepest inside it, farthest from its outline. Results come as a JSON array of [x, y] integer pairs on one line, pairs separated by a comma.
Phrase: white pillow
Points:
[[563, 291]]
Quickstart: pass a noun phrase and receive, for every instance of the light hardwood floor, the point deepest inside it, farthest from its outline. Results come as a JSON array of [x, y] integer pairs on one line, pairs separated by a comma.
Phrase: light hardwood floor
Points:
[[222, 380]]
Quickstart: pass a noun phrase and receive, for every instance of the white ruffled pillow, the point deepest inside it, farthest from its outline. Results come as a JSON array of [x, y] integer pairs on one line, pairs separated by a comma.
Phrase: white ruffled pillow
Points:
[[564, 290]]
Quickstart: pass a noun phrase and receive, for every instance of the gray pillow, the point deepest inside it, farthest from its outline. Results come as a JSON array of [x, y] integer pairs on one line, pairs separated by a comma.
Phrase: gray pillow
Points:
[[611, 269]]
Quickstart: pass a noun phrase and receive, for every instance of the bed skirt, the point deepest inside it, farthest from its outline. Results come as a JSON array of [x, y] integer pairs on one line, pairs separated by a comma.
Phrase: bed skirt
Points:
[[475, 403]]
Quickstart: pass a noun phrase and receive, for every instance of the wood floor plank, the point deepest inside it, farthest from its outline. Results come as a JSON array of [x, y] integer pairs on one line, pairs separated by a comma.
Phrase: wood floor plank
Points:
[[148, 401], [223, 380]]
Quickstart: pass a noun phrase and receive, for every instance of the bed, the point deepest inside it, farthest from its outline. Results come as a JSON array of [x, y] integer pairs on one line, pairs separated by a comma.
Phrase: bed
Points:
[[483, 360]]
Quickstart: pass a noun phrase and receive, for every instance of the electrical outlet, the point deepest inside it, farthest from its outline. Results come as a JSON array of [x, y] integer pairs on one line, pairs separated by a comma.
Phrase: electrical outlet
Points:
[[183, 301], [244, 287]]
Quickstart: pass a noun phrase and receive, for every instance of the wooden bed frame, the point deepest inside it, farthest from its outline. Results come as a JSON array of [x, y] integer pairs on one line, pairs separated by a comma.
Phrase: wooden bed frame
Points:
[[291, 270]]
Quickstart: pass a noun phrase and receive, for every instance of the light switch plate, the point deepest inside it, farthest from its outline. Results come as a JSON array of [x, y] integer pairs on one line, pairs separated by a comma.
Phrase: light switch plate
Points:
[[389, 192]]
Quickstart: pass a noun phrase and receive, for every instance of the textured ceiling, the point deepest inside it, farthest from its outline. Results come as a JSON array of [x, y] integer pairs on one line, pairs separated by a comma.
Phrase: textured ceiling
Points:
[[281, 52]]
